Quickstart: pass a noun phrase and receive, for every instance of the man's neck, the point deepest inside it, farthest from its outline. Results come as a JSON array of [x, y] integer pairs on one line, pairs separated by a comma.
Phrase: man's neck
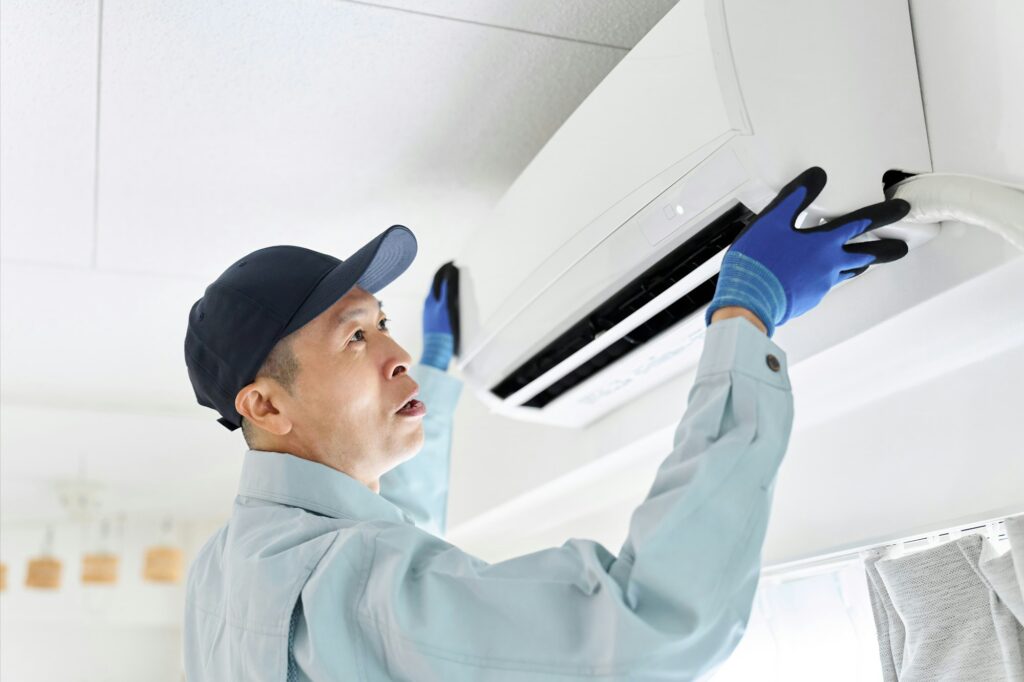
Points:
[[373, 484]]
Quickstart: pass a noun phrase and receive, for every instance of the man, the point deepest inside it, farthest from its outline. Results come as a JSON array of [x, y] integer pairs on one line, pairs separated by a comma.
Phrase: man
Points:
[[332, 565]]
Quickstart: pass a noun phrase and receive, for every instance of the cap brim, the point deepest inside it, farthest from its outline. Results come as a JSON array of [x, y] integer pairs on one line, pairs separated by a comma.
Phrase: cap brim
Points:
[[372, 268]]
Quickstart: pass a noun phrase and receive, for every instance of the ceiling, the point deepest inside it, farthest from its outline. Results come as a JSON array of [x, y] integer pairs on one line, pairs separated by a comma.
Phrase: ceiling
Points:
[[146, 146], [144, 150]]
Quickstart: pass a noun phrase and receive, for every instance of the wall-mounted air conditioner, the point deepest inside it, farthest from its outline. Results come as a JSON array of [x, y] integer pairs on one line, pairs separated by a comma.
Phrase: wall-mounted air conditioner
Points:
[[589, 284]]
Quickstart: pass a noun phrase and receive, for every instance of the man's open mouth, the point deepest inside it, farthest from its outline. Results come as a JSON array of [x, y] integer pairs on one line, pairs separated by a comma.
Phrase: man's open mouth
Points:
[[412, 408]]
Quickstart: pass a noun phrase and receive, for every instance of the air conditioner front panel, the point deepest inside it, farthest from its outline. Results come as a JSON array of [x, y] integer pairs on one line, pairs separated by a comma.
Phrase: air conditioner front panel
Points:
[[605, 163], [610, 263]]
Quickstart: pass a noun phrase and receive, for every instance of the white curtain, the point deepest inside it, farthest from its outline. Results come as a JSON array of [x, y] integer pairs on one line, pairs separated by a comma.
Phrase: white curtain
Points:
[[952, 612], [808, 626]]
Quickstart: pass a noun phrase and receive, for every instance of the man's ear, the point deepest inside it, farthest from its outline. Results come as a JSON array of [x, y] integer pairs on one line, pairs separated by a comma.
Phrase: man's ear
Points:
[[256, 402]]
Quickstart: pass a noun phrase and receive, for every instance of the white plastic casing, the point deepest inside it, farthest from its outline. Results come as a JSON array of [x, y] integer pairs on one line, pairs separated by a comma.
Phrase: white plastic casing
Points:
[[722, 102]]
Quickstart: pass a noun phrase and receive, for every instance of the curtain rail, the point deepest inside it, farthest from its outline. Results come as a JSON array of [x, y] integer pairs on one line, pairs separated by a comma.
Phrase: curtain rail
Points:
[[994, 529]]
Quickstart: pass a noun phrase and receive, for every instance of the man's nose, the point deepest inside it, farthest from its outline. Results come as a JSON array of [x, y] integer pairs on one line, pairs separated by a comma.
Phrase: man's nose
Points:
[[400, 362]]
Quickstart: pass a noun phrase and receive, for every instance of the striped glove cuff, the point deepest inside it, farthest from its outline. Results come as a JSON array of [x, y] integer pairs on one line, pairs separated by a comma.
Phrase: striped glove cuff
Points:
[[744, 282], [437, 349]]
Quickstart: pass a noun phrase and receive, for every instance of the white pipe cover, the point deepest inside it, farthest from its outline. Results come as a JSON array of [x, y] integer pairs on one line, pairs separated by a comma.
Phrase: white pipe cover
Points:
[[938, 197]]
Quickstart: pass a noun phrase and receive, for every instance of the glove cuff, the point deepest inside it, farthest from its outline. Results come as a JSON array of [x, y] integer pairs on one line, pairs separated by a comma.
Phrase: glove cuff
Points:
[[437, 350], [744, 282]]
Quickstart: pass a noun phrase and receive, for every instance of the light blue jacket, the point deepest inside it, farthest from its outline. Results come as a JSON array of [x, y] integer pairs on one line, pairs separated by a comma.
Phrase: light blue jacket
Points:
[[367, 595]]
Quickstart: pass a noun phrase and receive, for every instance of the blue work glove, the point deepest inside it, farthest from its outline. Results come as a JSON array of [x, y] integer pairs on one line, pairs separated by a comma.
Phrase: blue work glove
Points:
[[438, 328], [779, 272]]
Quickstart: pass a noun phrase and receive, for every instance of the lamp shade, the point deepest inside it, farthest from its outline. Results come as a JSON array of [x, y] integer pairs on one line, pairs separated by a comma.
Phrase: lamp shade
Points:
[[163, 564], [99, 569], [43, 573]]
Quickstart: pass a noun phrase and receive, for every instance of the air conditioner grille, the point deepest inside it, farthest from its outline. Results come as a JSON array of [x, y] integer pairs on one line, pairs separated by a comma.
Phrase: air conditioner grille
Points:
[[673, 267], [668, 317]]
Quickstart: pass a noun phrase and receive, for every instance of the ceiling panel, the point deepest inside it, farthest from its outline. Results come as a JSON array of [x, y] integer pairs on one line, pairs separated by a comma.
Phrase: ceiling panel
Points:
[[230, 126], [93, 339], [620, 23], [48, 52], [107, 342]]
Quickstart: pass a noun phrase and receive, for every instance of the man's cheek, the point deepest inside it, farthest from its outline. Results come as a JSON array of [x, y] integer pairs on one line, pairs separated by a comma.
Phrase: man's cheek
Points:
[[360, 406]]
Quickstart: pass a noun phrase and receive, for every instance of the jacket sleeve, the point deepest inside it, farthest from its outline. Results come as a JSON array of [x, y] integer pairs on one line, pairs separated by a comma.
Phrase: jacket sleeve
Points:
[[420, 485], [674, 602]]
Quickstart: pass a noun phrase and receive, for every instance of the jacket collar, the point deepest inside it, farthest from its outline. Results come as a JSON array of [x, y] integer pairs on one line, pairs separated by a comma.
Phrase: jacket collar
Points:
[[286, 479]]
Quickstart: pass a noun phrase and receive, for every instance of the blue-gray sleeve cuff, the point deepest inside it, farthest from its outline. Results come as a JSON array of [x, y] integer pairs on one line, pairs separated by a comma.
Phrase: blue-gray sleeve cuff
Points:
[[736, 345]]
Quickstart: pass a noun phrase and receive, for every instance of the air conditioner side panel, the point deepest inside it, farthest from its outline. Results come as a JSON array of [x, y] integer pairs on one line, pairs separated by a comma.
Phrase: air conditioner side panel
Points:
[[832, 84]]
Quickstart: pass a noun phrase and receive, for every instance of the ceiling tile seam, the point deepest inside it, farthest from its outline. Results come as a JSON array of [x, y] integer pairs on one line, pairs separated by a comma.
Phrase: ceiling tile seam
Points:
[[29, 262], [96, 140], [540, 34]]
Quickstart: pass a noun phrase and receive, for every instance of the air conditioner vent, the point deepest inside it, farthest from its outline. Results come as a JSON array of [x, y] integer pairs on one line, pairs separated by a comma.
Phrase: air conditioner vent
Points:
[[673, 267]]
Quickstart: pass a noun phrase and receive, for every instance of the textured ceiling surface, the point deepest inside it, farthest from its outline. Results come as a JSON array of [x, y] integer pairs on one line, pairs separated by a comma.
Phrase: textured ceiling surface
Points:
[[146, 146]]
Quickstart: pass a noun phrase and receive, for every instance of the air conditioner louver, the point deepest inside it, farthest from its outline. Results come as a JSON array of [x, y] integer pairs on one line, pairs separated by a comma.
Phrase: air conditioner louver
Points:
[[672, 268]]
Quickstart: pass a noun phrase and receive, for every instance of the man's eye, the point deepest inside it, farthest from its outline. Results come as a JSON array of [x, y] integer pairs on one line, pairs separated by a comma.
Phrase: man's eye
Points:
[[384, 322]]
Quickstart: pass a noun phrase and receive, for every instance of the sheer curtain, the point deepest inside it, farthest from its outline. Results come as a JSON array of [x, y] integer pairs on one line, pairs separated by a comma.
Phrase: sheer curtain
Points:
[[952, 612], [949, 612], [807, 626]]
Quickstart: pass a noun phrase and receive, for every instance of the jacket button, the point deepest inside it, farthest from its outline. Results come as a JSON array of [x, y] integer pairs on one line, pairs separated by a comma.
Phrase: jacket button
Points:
[[773, 363]]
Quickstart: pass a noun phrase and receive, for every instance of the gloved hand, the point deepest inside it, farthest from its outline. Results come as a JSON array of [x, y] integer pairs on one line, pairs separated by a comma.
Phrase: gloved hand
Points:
[[779, 272], [441, 318]]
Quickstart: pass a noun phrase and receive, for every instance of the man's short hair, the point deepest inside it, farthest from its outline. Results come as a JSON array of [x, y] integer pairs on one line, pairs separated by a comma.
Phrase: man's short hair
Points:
[[282, 366]]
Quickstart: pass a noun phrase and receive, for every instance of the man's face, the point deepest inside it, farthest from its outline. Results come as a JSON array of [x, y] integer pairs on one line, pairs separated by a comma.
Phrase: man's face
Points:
[[353, 377]]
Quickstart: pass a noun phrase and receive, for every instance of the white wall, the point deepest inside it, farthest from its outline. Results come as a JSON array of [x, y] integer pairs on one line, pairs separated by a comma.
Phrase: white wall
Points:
[[934, 455], [126, 632]]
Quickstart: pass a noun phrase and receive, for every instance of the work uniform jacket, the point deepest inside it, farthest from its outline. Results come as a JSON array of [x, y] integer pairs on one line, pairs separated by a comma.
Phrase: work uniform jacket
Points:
[[316, 577]]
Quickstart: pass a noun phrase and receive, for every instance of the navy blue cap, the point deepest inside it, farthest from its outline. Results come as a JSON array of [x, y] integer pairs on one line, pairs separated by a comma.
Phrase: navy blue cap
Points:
[[269, 294]]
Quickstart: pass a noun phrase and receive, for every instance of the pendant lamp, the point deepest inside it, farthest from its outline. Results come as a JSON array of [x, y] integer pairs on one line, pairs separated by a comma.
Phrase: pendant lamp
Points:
[[44, 570], [165, 563], [99, 567]]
